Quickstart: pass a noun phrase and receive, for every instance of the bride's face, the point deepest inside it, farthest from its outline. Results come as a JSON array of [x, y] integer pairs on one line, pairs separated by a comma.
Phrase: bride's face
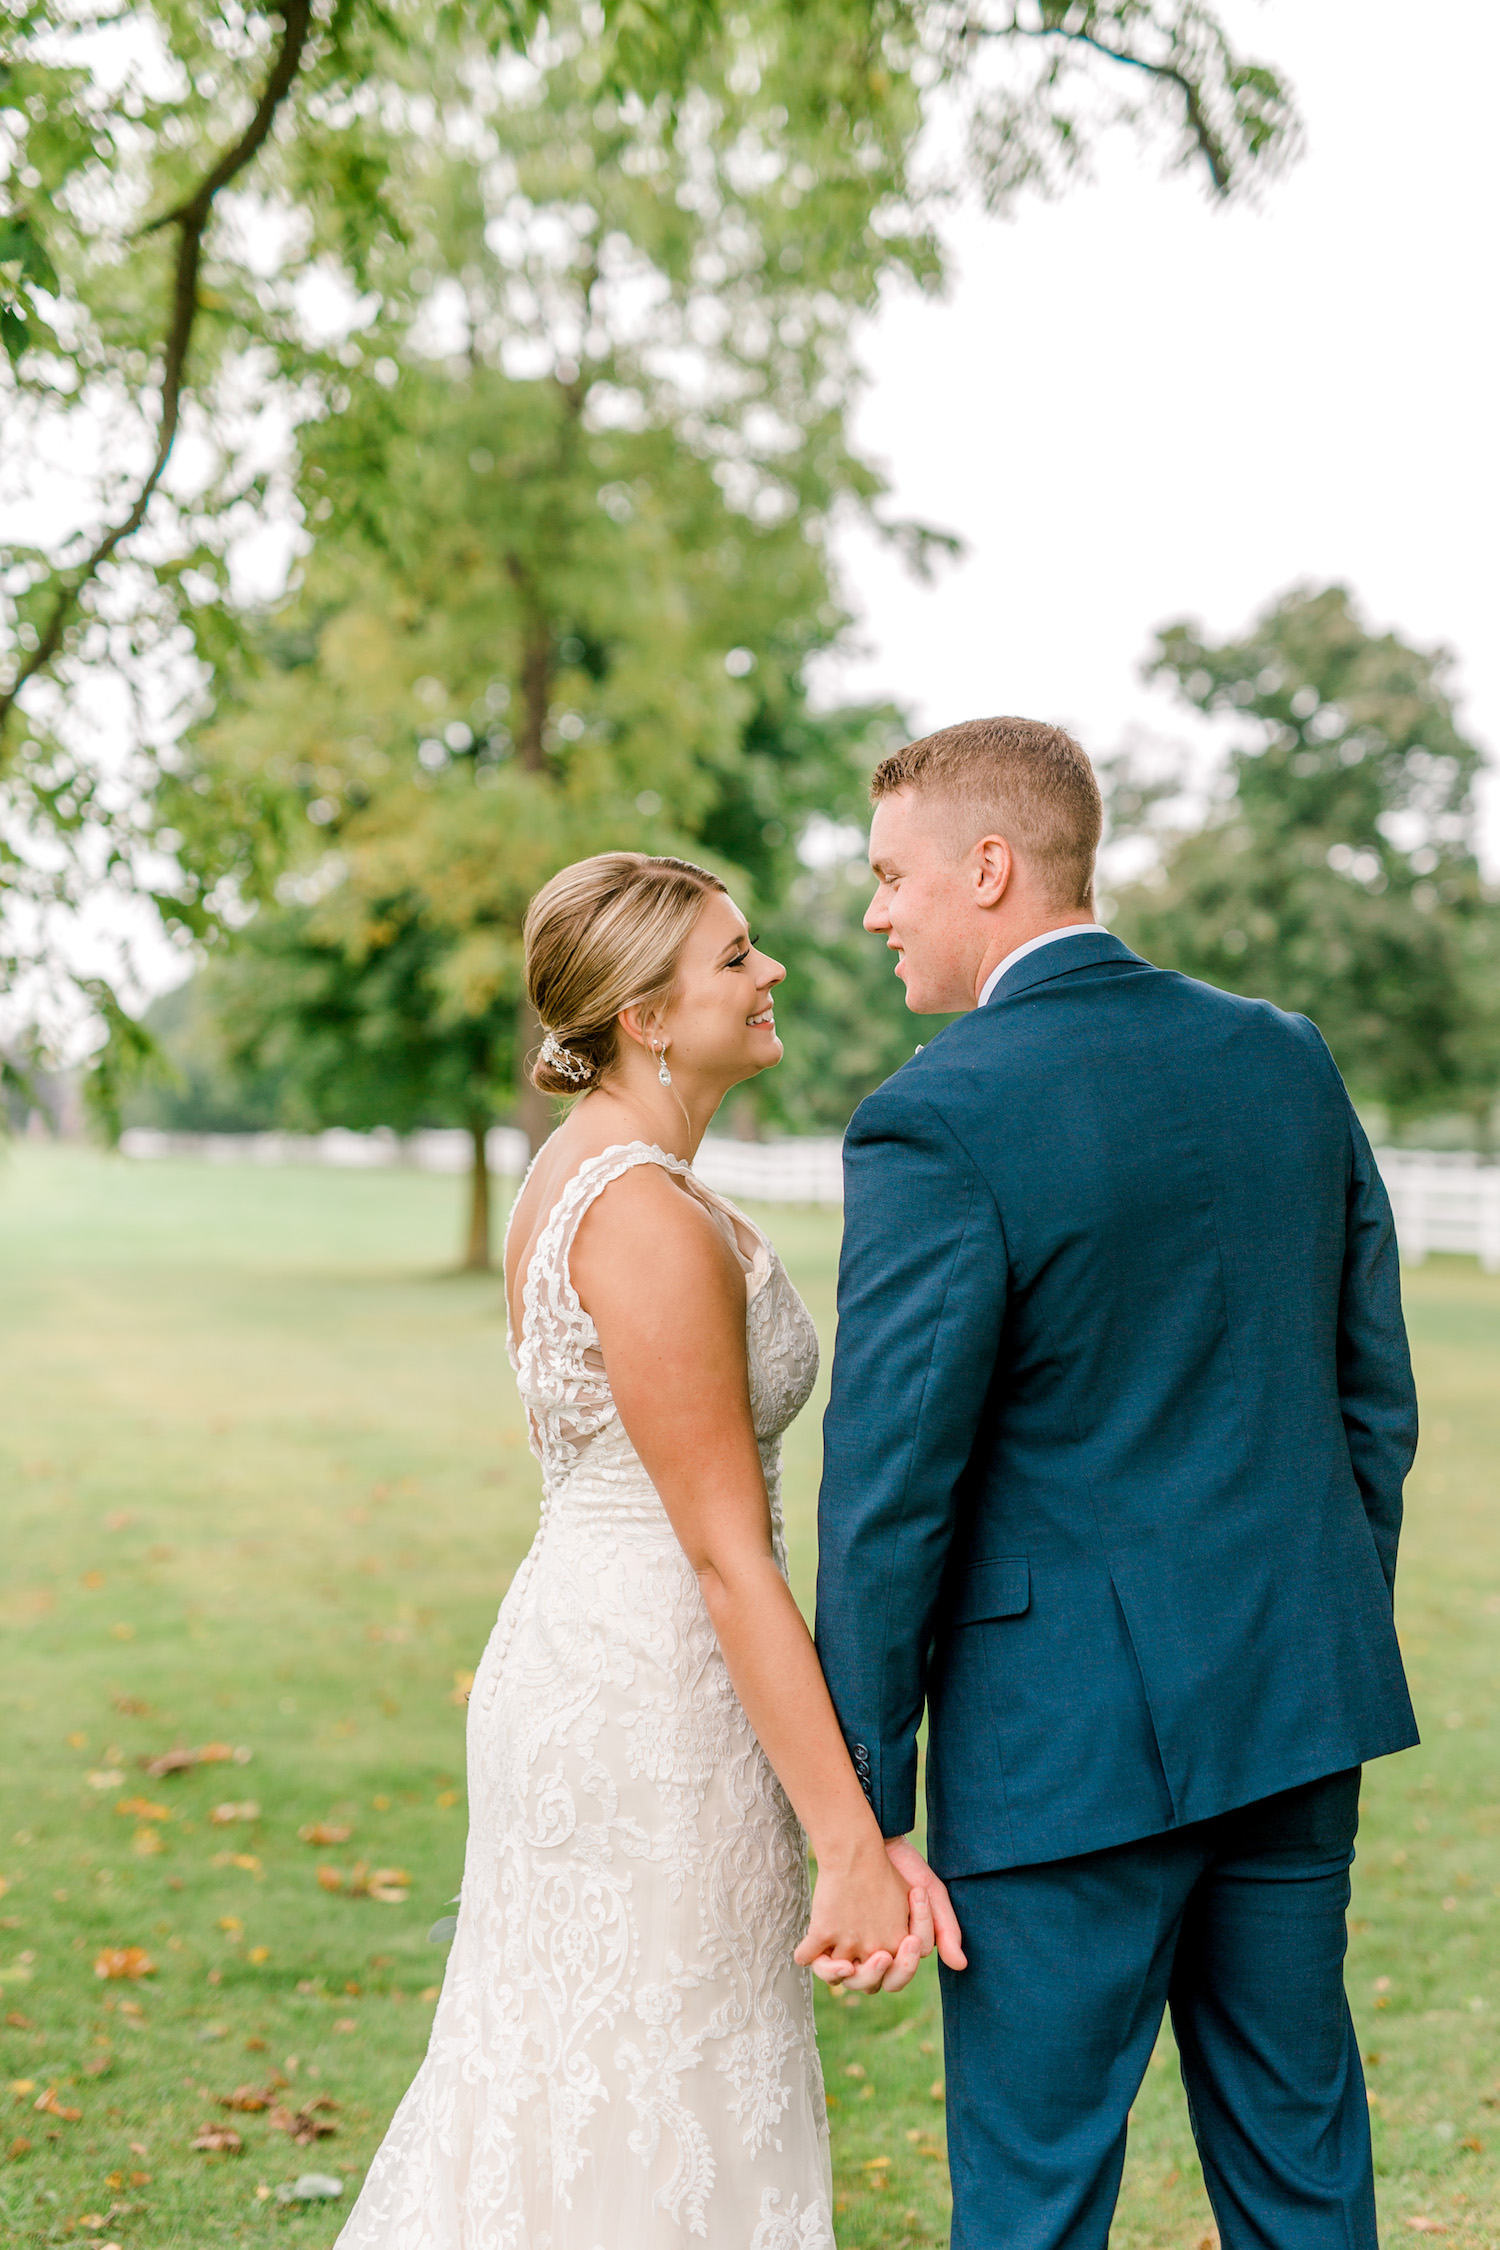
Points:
[[721, 1022]]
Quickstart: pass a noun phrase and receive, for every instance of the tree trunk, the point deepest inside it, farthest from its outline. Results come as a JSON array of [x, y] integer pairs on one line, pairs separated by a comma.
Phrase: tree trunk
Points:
[[534, 1113], [536, 670], [477, 1257]]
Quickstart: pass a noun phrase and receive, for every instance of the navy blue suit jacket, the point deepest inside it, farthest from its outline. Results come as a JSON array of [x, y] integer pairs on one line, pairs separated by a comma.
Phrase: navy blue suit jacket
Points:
[[1121, 1412]]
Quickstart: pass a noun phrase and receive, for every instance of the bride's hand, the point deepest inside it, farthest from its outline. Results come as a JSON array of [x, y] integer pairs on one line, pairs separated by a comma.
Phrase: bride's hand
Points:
[[867, 1930]]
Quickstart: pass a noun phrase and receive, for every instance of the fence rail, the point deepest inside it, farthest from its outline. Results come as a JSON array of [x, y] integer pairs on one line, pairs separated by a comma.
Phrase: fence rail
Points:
[[1443, 1203], [799, 1171], [434, 1151], [1440, 1202]]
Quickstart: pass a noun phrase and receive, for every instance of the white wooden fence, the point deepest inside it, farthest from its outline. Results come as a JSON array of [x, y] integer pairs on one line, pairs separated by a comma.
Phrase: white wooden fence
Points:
[[798, 1171], [1441, 1202], [359, 1152]]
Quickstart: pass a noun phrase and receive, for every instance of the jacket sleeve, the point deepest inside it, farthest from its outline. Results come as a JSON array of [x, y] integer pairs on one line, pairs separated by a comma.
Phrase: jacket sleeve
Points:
[[922, 1288], [1376, 1393]]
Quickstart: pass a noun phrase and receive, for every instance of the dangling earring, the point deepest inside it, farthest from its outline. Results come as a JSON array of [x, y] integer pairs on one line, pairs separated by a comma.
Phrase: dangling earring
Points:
[[662, 1071]]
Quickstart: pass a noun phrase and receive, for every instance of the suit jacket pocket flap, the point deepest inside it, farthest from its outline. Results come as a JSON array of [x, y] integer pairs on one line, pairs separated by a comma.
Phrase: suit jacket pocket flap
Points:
[[993, 1589]]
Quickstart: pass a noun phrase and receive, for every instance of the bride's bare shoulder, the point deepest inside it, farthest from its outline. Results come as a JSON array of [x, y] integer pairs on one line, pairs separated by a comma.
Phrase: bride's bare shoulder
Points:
[[645, 1224]]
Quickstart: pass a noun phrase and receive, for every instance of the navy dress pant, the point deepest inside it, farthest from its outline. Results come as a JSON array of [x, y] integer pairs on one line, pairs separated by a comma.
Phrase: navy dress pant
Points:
[[1237, 1925]]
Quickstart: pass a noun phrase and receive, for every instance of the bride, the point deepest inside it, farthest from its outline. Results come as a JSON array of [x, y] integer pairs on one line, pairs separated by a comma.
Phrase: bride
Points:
[[623, 2054]]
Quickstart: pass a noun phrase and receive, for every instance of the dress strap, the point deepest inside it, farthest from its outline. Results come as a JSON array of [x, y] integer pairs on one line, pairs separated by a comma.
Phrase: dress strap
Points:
[[547, 1274]]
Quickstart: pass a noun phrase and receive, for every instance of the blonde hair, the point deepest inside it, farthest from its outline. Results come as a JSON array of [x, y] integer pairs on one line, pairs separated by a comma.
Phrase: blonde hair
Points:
[[606, 933], [1030, 782]]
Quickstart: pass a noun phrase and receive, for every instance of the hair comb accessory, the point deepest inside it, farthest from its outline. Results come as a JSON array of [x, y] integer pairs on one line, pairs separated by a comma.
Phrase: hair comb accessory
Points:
[[563, 1060]]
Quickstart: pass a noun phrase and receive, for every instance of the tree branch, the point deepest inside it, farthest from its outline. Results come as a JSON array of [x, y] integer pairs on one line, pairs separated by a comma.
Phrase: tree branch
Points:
[[191, 220], [1210, 147]]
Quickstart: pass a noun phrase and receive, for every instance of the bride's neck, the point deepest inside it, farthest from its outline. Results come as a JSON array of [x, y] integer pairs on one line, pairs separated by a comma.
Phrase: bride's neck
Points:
[[674, 1118]]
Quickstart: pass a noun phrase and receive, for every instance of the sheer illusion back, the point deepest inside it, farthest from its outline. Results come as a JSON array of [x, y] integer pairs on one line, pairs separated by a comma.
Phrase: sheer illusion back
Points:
[[623, 2055]]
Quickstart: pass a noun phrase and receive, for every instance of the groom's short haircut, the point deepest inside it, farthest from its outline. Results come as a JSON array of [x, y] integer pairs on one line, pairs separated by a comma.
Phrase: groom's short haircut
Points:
[[1017, 778]]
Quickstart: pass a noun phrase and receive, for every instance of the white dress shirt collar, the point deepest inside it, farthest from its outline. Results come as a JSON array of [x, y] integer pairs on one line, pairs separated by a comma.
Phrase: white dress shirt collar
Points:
[[1069, 929]]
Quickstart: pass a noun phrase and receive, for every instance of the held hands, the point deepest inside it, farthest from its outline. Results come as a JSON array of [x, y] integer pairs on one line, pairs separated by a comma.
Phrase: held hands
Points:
[[876, 1917]]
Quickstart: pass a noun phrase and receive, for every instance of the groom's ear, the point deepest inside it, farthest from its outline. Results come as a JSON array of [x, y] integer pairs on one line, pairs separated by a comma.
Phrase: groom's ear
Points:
[[994, 867]]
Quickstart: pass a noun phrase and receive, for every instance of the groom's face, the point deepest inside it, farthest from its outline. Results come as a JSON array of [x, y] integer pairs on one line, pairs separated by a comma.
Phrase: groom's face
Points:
[[926, 896]]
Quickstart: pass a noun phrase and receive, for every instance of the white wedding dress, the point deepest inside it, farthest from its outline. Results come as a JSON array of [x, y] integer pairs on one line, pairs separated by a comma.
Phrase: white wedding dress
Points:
[[623, 2055]]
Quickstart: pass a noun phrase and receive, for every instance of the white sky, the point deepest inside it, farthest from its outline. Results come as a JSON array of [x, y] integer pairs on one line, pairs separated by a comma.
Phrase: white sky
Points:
[[1133, 406]]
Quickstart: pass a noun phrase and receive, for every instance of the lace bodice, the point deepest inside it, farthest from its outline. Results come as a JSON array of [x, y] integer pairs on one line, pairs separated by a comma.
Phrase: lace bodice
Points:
[[623, 2055], [560, 1368]]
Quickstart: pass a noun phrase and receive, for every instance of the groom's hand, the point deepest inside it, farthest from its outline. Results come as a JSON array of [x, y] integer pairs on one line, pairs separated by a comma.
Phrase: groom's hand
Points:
[[863, 1931], [918, 1876]]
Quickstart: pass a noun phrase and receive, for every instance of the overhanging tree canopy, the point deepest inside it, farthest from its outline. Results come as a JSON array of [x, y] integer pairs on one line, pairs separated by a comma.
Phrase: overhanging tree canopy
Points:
[[216, 222]]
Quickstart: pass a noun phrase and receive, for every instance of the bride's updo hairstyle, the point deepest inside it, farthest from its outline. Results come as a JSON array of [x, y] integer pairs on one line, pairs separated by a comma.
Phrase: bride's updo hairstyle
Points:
[[605, 934]]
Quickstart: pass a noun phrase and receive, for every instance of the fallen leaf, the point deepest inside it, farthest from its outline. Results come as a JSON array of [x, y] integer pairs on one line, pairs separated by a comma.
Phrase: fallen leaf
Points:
[[259, 1953], [169, 1761], [346, 2023], [50, 2106], [1427, 2226], [180, 1759], [246, 2098], [96, 2066], [106, 1778], [124, 1961], [222, 1815], [146, 1843], [78, 1742], [120, 1520], [93, 1580], [218, 2140], [230, 1922], [463, 1683], [20, 2087], [390, 1885], [877, 2163], [307, 2124], [93, 2220], [330, 1879], [131, 1706], [17, 2021], [325, 1832], [141, 1808]]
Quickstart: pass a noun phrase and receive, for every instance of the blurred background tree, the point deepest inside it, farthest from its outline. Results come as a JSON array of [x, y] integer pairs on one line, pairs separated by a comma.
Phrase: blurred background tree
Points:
[[547, 237], [1336, 871]]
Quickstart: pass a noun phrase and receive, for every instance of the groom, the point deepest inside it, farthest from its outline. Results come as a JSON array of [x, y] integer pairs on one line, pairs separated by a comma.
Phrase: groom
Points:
[[1121, 1412]]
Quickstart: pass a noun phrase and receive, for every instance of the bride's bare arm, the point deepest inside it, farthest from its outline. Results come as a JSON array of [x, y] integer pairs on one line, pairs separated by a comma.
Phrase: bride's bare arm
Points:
[[668, 1299]]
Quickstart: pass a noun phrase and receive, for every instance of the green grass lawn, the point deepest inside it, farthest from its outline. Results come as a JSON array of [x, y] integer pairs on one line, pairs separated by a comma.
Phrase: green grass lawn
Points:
[[264, 1483]]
